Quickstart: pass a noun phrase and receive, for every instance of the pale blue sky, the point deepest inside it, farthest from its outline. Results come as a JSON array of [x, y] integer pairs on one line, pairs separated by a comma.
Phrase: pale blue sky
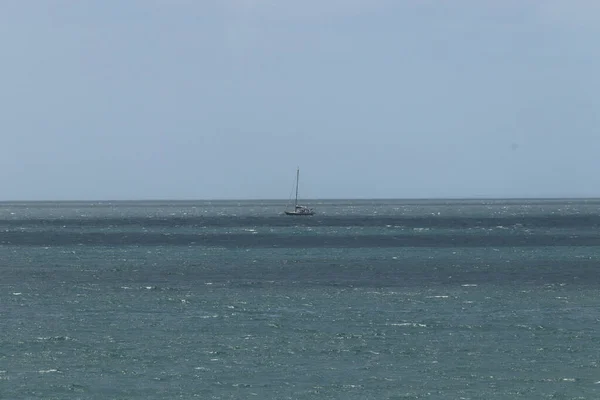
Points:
[[198, 99]]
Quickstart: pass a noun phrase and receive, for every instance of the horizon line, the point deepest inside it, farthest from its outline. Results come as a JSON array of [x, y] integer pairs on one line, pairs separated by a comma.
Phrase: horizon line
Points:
[[149, 200]]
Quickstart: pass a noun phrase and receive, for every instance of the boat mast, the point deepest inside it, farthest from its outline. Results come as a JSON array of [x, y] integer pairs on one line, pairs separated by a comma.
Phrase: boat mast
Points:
[[297, 179]]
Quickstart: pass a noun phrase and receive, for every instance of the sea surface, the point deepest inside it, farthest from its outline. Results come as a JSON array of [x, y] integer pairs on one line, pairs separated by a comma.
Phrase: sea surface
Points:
[[381, 299]]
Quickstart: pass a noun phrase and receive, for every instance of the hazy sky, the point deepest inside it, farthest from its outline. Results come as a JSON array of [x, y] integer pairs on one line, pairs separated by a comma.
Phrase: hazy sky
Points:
[[197, 99]]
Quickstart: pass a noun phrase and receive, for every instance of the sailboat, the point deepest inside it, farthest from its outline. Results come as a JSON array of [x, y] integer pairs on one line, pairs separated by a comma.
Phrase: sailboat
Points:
[[298, 209]]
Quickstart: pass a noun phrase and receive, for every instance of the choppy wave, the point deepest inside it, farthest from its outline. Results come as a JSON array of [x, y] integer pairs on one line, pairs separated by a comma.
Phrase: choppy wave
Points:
[[261, 240], [228, 221]]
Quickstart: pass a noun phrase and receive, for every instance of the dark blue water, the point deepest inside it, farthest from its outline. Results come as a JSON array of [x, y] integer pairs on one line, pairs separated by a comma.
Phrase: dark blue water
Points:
[[366, 299]]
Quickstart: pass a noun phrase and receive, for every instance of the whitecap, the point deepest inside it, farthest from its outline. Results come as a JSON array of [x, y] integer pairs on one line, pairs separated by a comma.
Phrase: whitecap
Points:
[[411, 324], [54, 338]]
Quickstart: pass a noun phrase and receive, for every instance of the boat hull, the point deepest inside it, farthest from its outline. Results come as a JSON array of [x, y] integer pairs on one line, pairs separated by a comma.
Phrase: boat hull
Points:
[[299, 213]]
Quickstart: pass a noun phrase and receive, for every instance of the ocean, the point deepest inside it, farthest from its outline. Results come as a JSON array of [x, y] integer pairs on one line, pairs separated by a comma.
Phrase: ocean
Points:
[[369, 299]]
